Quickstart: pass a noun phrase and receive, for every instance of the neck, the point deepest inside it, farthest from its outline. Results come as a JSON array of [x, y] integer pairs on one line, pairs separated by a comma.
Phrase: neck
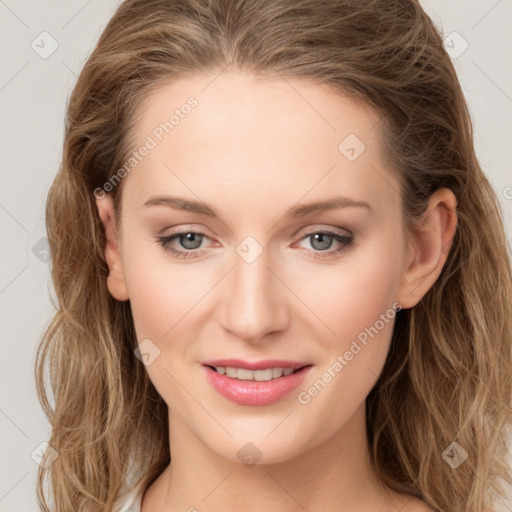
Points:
[[334, 475]]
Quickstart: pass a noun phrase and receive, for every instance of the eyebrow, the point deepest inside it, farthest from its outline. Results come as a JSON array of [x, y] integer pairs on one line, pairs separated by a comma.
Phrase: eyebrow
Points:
[[295, 211]]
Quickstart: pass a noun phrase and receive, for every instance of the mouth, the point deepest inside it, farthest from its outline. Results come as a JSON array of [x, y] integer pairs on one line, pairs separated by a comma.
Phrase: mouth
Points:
[[257, 375], [267, 383]]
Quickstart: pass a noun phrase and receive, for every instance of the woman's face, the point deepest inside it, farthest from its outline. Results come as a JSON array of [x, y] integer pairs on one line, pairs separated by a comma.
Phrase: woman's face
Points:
[[265, 277]]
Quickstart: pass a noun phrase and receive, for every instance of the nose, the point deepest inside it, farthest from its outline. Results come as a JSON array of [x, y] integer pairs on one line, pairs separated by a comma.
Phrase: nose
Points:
[[255, 302]]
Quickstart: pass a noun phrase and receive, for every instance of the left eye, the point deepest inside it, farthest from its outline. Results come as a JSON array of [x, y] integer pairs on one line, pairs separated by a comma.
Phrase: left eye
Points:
[[321, 241]]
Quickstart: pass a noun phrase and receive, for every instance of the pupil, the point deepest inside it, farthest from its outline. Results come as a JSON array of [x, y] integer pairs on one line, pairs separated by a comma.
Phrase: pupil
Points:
[[322, 237], [188, 240]]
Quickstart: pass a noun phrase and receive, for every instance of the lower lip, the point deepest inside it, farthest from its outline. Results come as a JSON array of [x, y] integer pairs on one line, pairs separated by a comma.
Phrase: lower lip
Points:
[[251, 392]]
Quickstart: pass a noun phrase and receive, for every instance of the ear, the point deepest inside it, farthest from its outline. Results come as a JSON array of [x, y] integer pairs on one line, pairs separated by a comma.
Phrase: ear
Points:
[[115, 280], [428, 247]]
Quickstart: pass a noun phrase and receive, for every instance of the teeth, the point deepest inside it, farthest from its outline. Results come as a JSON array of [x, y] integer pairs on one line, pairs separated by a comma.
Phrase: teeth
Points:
[[232, 372], [244, 374], [259, 375]]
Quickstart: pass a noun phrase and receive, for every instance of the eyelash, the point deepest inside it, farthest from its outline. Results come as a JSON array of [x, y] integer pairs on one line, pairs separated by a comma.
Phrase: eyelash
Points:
[[345, 241]]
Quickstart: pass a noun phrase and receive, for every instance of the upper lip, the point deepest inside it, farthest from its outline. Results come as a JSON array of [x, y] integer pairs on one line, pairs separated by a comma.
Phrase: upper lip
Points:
[[256, 365]]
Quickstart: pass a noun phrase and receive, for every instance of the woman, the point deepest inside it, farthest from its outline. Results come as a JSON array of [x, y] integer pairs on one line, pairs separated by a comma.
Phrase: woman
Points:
[[282, 276]]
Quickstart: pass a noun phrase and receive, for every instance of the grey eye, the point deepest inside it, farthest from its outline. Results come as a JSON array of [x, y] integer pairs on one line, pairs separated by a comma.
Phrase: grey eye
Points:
[[321, 241], [191, 240]]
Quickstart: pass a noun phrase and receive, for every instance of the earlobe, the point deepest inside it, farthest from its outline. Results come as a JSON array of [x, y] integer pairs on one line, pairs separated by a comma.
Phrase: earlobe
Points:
[[115, 281], [428, 247]]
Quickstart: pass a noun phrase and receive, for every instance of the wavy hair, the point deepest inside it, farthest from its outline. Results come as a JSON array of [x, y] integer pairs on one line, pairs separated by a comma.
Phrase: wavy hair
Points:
[[448, 374]]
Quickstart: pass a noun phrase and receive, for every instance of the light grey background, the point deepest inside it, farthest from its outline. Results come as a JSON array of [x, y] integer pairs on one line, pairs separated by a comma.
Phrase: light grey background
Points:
[[33, 94]]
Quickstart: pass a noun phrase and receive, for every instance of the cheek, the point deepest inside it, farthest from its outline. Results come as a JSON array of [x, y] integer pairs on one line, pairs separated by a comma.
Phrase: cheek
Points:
[[161, 291], [351, 297], [161, 297], [367, 318], [358, 306]]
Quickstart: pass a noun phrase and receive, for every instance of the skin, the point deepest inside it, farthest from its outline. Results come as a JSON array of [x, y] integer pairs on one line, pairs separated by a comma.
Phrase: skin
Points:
[[253, 148]]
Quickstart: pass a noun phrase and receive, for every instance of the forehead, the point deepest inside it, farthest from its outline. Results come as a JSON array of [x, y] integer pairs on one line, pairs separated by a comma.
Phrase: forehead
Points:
[[234, 136]]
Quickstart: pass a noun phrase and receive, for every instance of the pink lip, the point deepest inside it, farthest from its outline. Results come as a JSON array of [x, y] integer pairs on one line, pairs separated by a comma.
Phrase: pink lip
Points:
[[250, 392]]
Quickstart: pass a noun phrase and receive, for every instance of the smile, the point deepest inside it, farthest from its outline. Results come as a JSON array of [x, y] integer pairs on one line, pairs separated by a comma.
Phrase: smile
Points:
[[256, 386], [259, 375]]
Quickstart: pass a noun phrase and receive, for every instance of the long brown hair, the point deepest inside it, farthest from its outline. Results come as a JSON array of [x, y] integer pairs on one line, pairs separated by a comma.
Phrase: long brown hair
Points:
[[448, 375]]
